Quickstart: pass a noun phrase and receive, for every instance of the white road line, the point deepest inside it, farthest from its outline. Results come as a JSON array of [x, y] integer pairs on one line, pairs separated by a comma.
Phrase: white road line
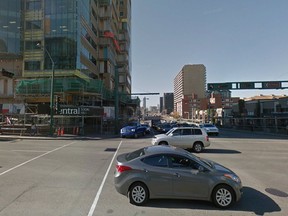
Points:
[[22, 164], [92, 209]]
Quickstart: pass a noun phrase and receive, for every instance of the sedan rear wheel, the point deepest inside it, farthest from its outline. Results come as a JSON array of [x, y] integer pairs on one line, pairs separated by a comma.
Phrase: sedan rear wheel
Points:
[[138, 194], [223, 196]]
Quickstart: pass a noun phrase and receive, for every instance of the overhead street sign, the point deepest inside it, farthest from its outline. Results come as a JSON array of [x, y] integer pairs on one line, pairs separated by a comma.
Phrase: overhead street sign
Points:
[[247, 85], [144, 93], [271, 85]]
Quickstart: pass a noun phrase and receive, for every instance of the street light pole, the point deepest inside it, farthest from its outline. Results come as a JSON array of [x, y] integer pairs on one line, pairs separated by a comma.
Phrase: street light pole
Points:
[[52, 97], [51, 129], [116, 99]]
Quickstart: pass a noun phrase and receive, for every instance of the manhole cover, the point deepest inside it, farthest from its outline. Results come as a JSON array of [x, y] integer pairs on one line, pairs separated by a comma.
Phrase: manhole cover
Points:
[[111, 149], [276, 192]]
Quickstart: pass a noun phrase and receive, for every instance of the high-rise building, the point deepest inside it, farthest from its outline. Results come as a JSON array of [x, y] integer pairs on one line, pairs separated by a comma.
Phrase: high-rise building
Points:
[[80, 50], [168, 102], [189, 87]]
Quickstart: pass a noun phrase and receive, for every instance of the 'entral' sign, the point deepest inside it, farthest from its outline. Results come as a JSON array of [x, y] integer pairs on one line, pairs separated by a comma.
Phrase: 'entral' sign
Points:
[[80, 111]]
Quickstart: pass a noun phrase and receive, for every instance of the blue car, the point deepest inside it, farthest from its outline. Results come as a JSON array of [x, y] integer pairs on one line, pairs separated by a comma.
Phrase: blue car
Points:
[[133, 131]]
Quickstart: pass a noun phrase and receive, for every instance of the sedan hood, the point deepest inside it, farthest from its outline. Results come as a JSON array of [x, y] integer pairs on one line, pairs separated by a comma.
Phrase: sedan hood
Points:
[[216, 166], [221, 168]]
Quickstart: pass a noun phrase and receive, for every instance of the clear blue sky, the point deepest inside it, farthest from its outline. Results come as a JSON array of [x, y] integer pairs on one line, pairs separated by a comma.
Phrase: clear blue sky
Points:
[[237, 40]]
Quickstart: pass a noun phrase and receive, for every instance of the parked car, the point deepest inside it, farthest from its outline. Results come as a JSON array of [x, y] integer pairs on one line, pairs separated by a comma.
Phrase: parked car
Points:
[[169, 172], [184, 137], [133, 131], [211, 129], [148, 128], [164, 128]]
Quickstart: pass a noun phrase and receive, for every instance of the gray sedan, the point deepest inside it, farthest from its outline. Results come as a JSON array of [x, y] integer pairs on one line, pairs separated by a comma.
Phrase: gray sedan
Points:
[[169, 172]]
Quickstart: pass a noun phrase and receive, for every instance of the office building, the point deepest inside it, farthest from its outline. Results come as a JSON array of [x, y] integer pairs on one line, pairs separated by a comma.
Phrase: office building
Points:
[[189, 87], [161, 104]]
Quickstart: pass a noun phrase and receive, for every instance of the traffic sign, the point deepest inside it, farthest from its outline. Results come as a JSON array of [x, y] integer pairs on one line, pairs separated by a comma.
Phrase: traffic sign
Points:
[[219, 86], [247, 85], [271, 85]]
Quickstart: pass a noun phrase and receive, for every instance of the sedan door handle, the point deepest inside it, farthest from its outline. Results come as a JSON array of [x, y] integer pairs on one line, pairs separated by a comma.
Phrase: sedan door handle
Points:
[[145, 170]]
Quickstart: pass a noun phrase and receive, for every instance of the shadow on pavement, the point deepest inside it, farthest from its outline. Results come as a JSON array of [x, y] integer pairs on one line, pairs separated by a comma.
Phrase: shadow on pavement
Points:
[[257, 202], [221, 151], [252, 201]]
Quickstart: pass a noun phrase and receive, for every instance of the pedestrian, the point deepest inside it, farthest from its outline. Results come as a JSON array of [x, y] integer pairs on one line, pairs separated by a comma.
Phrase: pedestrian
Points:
[[8, 121], [33, 129]]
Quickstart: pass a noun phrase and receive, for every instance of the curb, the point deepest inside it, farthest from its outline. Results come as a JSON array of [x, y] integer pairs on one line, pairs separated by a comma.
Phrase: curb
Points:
[[255, 132]]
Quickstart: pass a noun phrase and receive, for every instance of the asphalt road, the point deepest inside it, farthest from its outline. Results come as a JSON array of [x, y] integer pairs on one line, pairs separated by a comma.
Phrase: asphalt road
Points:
[[75, 177]]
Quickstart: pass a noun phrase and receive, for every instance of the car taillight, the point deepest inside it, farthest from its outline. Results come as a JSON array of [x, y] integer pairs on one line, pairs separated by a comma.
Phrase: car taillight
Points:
[[207, 138], [121, 168]]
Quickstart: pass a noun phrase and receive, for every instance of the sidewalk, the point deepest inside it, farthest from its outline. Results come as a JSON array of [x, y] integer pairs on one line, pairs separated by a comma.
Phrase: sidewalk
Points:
[[63, 137]]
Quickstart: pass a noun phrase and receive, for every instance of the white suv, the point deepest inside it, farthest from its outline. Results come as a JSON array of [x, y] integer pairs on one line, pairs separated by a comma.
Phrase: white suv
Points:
[[184, 137]]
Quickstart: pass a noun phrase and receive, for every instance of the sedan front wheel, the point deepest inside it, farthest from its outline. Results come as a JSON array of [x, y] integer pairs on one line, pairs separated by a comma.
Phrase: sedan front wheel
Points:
[[223, 196]]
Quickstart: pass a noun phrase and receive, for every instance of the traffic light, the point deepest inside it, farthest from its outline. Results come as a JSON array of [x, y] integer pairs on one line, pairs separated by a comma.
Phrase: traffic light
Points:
[[7, 73]]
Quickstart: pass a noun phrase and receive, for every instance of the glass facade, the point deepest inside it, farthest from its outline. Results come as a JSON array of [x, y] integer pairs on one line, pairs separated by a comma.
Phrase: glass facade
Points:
[[10, 26], [61, 33]]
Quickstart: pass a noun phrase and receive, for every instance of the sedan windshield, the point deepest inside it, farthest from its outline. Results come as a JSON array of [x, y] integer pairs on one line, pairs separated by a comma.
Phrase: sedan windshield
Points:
[[208, 163], [201, 160]]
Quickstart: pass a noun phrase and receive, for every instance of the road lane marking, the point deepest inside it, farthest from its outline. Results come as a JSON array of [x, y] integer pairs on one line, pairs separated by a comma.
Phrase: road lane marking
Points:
[[92, 209], [42, 155]]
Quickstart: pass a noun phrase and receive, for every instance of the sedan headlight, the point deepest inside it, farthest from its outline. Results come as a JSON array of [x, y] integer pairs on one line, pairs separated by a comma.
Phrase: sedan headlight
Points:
[[233, 177]]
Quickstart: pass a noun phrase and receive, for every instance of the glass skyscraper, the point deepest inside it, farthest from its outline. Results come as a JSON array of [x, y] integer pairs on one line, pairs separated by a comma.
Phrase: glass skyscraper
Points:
[[87, 42]]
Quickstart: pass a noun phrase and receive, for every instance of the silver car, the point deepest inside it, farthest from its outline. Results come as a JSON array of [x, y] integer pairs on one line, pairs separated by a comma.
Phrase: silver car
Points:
[[170, 172]]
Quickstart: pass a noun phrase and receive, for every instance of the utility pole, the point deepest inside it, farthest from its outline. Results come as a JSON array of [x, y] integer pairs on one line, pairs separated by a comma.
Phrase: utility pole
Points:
[[51, 130]]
